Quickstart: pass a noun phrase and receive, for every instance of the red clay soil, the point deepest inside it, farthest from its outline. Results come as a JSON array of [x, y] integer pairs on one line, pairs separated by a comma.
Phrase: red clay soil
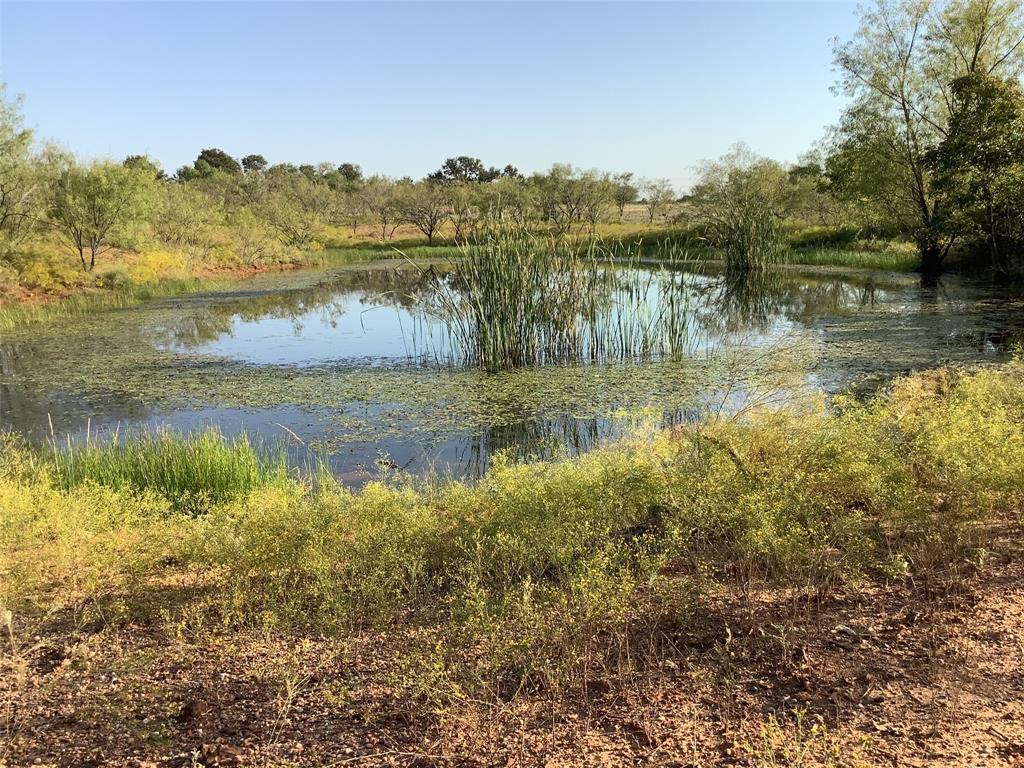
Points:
[[879, 677]]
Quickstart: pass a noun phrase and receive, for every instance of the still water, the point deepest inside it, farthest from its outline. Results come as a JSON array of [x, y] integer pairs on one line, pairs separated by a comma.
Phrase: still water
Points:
[[346, 365]]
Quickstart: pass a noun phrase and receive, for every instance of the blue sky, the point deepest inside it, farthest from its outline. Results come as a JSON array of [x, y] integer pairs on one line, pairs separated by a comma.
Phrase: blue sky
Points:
[[398, 87]]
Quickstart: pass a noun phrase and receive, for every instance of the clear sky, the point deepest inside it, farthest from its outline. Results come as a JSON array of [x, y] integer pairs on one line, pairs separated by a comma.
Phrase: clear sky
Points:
[[398, 87]]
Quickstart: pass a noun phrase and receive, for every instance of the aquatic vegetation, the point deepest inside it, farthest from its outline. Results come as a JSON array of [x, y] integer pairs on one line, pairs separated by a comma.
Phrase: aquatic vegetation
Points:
[[193, 470], [887, 260], [750, 239], [152, 364], [119, 297], [521, 300]]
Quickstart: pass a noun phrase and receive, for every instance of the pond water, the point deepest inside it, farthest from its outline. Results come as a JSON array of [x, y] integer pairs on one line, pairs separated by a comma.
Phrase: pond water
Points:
[[344, 364]]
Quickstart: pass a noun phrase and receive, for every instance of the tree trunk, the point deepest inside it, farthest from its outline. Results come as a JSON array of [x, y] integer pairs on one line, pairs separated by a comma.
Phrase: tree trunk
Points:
[[932, 255]]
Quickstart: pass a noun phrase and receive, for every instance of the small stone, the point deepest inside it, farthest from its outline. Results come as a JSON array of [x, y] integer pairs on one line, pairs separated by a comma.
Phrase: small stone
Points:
[[192, 709]]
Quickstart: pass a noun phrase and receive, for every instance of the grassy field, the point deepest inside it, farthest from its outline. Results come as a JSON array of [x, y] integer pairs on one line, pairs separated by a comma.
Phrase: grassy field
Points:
[[538, 583]]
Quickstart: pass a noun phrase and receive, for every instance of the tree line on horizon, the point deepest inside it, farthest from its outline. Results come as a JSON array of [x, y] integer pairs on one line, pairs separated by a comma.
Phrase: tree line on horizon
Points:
[[930, 149]]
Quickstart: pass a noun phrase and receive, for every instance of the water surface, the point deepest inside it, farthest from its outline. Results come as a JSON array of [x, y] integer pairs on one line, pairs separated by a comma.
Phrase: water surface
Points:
[[344, 364]]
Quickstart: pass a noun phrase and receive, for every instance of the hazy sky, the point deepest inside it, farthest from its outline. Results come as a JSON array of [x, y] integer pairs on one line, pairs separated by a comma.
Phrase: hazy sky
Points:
[[398, 87]]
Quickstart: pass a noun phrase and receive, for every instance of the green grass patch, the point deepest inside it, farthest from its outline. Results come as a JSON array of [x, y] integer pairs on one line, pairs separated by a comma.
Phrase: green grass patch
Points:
[[191, 471], [886, 260]]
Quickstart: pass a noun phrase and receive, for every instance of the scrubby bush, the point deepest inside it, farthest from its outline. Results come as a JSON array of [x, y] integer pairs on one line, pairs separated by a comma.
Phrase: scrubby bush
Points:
[[45, 267], [155, 266]]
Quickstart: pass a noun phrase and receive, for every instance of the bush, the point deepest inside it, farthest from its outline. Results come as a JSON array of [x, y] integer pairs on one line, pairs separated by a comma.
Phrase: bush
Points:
[[46, 267], [156, 266]]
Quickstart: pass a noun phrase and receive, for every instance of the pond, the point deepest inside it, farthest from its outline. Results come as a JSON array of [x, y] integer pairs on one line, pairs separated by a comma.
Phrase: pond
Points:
[[346, 366]]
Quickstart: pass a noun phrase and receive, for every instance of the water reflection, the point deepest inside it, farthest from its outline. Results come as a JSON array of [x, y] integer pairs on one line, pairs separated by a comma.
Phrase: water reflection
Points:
[[866, 328], [336, 319], [383, 316]]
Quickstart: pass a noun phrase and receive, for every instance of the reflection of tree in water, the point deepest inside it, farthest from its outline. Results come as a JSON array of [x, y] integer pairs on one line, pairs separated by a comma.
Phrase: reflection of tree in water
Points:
[[331, 299], [752, 300]]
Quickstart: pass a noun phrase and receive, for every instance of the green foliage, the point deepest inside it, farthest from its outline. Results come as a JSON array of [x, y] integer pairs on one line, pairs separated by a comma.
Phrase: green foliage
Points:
[[979, 164], [25, 175], [567, 196], [427, 206], [350, 172], [742, 199], [144, 163], [862, 255], [192, 471], [188, 219], [91, 205], [464, 169], [299, 207], [898, 70], [254, 163], [658, 195], [625, 190], [211, 161]]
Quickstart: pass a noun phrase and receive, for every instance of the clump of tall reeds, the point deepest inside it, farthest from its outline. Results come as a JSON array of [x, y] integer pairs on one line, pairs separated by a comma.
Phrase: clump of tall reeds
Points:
[[751, 238], [519, 300], [202, 467]]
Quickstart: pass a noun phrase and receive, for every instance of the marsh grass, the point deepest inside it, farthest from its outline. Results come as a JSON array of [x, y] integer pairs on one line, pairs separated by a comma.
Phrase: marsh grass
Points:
[[520, 300], [750, 237], [889, 261], [191, 470]]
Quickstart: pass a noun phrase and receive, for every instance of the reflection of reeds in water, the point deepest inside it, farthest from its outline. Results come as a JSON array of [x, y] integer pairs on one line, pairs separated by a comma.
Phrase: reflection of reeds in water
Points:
[[520, 300]]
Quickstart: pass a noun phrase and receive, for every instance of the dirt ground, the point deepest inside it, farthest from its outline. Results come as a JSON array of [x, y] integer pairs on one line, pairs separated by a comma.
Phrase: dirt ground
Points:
[[873, 677]]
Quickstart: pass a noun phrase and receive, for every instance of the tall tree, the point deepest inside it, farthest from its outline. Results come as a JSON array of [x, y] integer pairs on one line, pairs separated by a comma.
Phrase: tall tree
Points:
[[625, 191], [898, 70], [465, 169], [350, 172], [145, 163], [379, 199], [658, 195], [24, 175], [209, 162], [979, 164], [427, 205], [254, 163], [91, 204]]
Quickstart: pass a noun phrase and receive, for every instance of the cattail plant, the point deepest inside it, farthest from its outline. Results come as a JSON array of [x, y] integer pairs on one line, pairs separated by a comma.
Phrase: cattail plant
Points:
[[517, 299]]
